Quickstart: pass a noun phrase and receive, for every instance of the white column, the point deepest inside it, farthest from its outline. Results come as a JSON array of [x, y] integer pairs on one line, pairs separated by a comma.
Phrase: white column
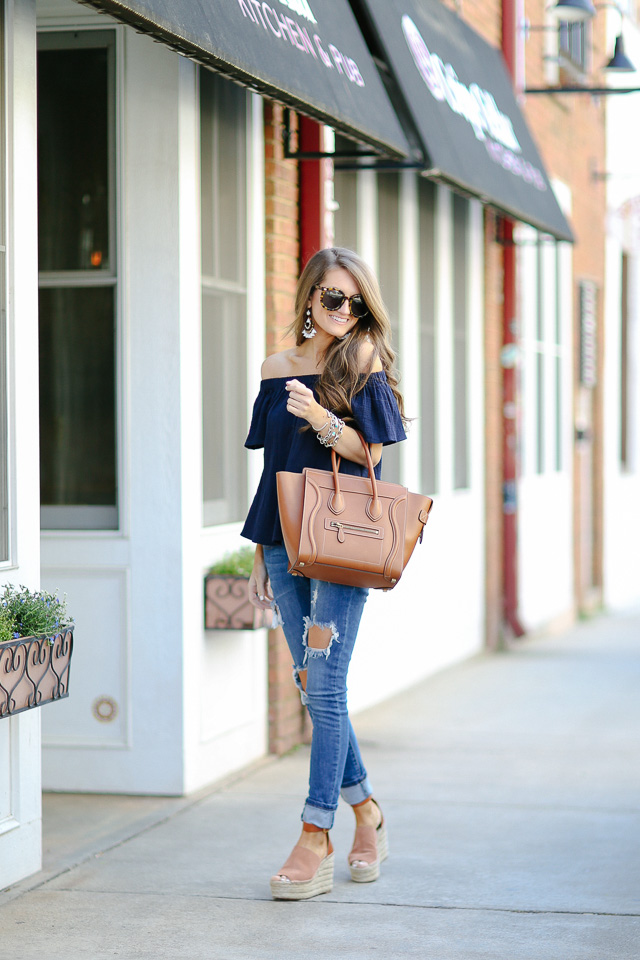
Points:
[[367, 212], [409, 345], [525, 238], [475, 359], [256, 307], [444, 338]]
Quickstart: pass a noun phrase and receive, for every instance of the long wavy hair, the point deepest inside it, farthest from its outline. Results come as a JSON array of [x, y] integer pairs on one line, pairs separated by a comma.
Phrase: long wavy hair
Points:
[[341, 377]]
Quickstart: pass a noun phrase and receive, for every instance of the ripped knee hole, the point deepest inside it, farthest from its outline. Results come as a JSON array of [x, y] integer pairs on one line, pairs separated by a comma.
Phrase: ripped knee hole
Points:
[[319, 638]]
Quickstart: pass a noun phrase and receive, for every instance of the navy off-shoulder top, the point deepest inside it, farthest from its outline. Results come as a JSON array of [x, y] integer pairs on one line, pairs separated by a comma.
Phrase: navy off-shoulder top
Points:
[[287, 448]]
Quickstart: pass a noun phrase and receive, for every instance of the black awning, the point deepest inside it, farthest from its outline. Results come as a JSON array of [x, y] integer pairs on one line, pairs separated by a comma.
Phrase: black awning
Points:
[[309, 54], [456, 89]]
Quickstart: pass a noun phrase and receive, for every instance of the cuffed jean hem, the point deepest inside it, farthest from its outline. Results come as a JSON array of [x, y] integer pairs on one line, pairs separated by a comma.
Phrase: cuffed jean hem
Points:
[[318, 817], [357, 793]]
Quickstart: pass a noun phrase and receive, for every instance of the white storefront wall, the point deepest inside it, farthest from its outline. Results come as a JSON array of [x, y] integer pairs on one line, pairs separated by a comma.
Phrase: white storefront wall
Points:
[[435, 616], [622, 474], [20, 787], [226, 710], [190, 707]]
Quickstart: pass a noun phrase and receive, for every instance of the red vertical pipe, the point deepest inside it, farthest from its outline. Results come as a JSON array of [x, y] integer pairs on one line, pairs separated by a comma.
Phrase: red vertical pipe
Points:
[[509, 434], [311, 181], [509, 378], [509, 28]]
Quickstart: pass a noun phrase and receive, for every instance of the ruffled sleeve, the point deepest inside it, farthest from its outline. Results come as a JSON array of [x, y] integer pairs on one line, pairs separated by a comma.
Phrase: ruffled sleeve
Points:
[[257, 430], [376, 411]]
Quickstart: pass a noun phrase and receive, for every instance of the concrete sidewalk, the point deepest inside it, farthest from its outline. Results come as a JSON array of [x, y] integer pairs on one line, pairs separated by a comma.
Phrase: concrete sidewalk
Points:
[[511, 786]]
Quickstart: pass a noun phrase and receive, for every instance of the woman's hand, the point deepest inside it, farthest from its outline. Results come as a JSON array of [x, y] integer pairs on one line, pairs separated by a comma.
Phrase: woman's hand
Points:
[[303, 404], [259, 588]]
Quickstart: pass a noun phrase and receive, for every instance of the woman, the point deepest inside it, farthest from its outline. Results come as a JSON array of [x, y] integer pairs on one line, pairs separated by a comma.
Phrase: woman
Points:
[[339, 377]]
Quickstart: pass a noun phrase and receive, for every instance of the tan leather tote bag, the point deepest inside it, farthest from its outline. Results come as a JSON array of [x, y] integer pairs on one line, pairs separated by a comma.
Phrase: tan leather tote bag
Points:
[[357, 531]]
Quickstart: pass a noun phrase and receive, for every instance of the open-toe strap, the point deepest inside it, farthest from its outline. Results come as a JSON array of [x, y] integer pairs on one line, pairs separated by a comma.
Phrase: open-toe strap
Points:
[[304, 875]]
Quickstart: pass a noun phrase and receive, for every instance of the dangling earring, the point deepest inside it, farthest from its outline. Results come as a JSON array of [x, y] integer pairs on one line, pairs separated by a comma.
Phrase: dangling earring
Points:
[[308, 330]]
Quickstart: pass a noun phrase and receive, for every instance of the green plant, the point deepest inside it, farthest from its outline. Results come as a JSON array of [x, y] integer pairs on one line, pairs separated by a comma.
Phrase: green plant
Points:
[[236, 564], [28, 613], [6, 625]]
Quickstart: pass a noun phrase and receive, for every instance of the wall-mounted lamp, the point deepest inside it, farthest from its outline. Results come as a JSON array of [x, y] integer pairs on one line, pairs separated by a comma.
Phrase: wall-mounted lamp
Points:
[[573, 11], [579, 11], [619, 62]]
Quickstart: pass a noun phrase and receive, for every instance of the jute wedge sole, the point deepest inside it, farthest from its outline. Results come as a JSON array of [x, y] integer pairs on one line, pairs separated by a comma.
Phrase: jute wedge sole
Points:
[[367, 838], [320, 882]]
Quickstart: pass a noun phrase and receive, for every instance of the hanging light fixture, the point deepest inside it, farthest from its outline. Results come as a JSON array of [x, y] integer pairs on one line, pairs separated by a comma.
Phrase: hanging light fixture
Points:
[[579, 11], [573, 11], [619, 62]]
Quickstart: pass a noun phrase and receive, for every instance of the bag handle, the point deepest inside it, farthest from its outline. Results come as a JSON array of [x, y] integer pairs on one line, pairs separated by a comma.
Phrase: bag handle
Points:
[[374, 507]]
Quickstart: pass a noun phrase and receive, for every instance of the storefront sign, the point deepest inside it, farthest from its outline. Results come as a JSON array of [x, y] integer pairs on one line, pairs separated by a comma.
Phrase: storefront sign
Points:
[[308, 54], [460, 96], [588, 345], [292, 32]]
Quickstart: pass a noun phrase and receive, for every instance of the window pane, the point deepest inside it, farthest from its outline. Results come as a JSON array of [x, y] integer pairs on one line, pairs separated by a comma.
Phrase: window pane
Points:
[[558, 280], [77, 397], [426, 194], [558, 364], [223, 164], [224, 391], [572, 42], [223, 176], [541, 413], [345, 191], [389, 275], [73, 159], [624, 363], [539, 291], [460, 342]]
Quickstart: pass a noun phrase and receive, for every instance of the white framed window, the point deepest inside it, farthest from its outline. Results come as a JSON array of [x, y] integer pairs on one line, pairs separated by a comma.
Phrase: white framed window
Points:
[[224, 118], [380, 195], [345, 194], [388, 242], [573, 46], [427, 301], [543, 299], [461, 472], [77, 264], [624, 448], [567, 50]]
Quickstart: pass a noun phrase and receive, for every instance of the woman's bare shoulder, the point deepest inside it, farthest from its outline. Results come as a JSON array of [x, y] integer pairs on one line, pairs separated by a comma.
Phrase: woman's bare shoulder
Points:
[[278, 365], [365, 353]]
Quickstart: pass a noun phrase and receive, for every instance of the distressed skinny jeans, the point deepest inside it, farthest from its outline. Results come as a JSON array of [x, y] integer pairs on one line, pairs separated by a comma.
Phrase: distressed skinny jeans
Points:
[[336, 766]]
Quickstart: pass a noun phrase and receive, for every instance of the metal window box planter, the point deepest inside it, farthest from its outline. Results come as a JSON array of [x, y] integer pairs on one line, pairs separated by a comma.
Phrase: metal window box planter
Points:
[[34, 671], [227, 605]]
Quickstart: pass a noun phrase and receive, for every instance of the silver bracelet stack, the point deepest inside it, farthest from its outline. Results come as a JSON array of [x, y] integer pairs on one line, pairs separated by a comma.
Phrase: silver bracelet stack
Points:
[[333, 434]]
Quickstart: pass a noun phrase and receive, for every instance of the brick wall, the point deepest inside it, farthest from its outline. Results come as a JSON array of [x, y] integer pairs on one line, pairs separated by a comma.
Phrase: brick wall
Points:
[[287, 719], [483, 15], [281, 228]]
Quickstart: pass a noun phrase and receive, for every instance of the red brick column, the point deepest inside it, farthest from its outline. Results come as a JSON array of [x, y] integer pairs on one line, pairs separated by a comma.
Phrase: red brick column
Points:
[[281, 229], [286, 715], [493, 432]]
